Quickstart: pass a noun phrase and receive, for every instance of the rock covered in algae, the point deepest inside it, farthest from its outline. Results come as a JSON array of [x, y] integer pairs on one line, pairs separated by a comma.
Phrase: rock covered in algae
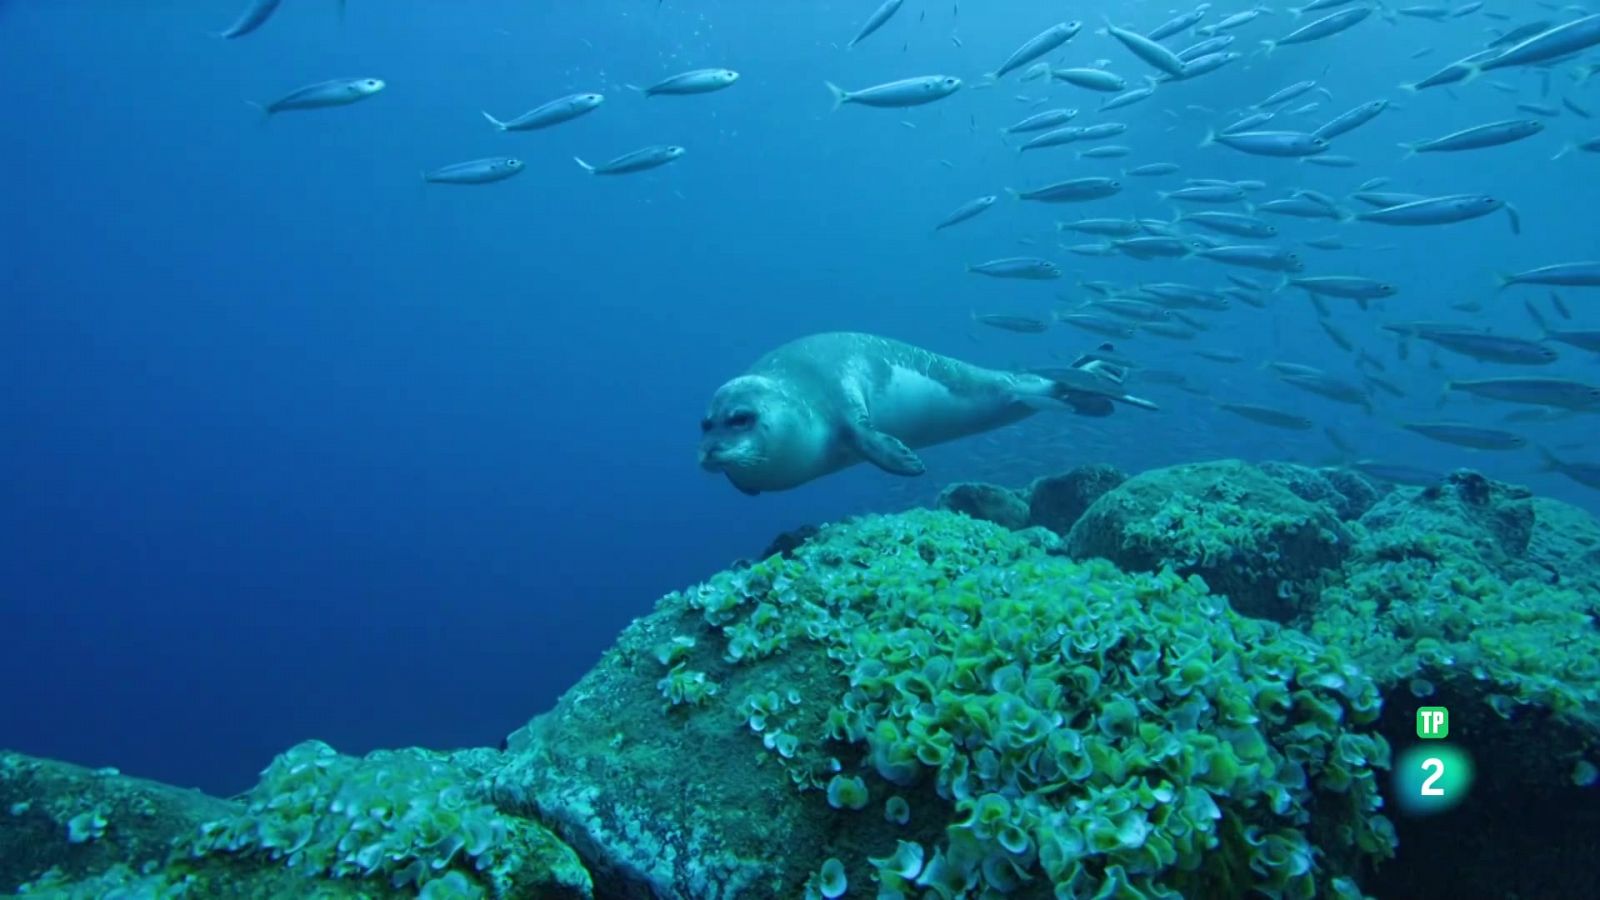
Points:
[[1057, 502], [1346, 494], [396, 823], [988, 502], [1242, 531], [929, 704]]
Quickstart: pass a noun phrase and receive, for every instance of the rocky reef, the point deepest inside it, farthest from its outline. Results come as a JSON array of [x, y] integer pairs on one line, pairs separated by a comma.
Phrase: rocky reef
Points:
[[1187, 683]]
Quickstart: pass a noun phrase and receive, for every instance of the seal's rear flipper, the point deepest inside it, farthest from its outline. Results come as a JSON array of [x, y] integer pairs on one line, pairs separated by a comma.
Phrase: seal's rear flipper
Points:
[[886, 451]]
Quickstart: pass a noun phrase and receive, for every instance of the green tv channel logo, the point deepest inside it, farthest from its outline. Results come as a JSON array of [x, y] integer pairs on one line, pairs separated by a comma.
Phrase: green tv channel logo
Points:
[[1433, 723]]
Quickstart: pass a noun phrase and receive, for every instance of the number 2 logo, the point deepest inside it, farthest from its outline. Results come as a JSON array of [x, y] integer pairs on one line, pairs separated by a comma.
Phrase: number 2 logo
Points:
[[1437, 765]]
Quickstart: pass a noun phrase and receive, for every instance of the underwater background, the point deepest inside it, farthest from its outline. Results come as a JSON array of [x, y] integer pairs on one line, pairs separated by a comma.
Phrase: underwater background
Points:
[[295, 447]]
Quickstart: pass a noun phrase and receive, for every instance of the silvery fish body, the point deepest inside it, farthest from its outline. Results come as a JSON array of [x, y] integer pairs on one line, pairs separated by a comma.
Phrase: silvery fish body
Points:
[[324, 94], [1435, 210], [1327, 26], [698, 81], [638, 161], [1072, 191], [1562, 40], [477, 171], [555, 112], [1350, 121], [1271, 259], [966, 211], [902, 93], [252, 18], [1027, 267], [1050, 118], [1271, 143], [1491, 135], [875, 21], [1039, 45]]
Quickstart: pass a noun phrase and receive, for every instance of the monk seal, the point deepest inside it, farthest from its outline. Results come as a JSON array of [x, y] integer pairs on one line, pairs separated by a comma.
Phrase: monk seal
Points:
[[828, 401]]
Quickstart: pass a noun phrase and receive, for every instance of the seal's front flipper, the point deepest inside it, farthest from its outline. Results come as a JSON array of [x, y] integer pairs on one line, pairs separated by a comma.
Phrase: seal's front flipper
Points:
[[886, 451]]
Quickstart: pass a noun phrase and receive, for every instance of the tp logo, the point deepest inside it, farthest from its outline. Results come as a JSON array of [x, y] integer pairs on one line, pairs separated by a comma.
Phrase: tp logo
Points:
[[1433, 777]]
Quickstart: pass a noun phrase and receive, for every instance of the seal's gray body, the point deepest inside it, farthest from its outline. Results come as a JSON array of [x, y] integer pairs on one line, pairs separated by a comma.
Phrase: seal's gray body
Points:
[[826, 402]]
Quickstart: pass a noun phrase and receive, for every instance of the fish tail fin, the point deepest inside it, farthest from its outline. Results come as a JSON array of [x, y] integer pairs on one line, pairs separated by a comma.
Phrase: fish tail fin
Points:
[[1505, 280], [1210, 138], [1409, 87], [1473, 71], [266, 114], [586, 167], [493, 121], [1015, 194], [840, 95], [1267, 47], [1411, 149], [1566, 149], [636, 88]]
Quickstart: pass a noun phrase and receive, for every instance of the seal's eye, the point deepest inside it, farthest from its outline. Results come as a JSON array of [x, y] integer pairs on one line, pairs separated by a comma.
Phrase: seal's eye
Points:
[[742, 419], [705, 424]]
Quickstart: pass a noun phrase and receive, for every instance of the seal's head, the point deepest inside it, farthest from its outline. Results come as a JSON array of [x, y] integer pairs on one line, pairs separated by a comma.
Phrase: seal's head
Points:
[[752, 432]]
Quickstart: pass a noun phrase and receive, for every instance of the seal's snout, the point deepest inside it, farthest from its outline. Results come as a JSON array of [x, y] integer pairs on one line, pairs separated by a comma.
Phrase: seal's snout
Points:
[[710, 459]]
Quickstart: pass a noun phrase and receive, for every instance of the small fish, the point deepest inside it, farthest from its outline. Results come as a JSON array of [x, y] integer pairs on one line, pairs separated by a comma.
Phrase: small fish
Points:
[[698, 81], [1303, 208], [1128, 98], [1036, 71], [477, 171], [1384, 385], [1562, 40], [1151, 170], [1284, 95], [1103, 227], [1252, 121], [1331, 161], [898, 94], [1030, 268], [1272, 259], [324, 94], [1573, 274], [1050, 118], [1435, 210], [1269, 143], [1351, 120], [1097, 324], [1151, 52], [1207, 47], [1465, 435], [966, 211], [1325, 27], [1231, 224], [555, 112], [1132, 308], [1266, 415], [875, 21], [637, 161], [1533, 391], [1206, 193], [1018, 324], [1179, 23], [1056, 137], [1093, 79], [1328, 386], [1072, 191], [1157, 247], [1386, 199], [1577, 110], [1487, 347], [1346, 287], [1173, 330], [1584, 473], [1560, 305], [1234, 21], [1491, 135], [1109, 151], [1227, 357], [1038, 45], [254, 16]]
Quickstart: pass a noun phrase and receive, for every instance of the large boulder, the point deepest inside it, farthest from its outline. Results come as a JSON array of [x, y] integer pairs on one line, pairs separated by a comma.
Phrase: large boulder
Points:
[[1057, 502], [988, 502], [1249, 537]]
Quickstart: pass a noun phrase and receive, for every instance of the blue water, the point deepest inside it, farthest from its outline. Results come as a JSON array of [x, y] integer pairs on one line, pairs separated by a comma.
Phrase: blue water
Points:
[[294, 447]]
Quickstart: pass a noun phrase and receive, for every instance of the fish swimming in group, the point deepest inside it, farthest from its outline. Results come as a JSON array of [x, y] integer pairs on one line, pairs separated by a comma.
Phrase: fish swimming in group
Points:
[[324, 94]]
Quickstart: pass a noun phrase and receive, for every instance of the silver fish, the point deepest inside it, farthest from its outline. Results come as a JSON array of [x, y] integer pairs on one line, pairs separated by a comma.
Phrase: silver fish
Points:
[[1349, 121], [1072, 191], [1572, 274], [1435, 210], [637, 161], [1327, 26], [966, 211], [1147, 50], [477, 171], [1266, 415], [1038, 45], [1030, 268], [875, 21], [1562, 40], [1477, 137], [1233, 224], [325, 94], [896, 94], [1050, 118], [1270, 143], [555, 112], [1272, 259], [698, 81], [1465, 435], [254, 16], [1093, 79], [1533, 391]]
